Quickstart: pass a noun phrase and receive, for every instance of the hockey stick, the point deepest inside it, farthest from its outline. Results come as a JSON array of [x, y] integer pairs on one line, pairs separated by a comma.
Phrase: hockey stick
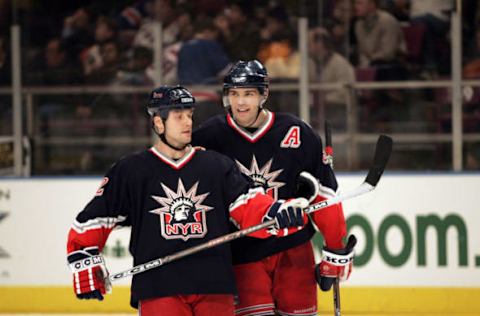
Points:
[[328, 158], [328, 152], [382, 154]]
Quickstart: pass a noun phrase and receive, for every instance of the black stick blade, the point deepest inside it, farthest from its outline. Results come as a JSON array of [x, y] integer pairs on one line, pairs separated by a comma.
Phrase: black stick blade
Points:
[[382, 154], [328, 134]]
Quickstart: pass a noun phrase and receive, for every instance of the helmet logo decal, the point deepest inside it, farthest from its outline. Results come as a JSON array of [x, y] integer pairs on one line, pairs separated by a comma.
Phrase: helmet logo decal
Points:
[[262, 176], [157, 95], [239, 79], [182, 214], [186, 100]]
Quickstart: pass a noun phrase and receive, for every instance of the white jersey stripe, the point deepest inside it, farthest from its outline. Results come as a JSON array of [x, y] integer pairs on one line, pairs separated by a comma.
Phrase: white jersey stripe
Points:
[[176, 164], [252, 137], [326, 192], [99, 222], [244, 198]]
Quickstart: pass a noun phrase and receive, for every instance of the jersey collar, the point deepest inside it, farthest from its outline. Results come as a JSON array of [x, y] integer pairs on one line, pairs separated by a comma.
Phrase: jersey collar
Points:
[[175, 164], [252, 137]]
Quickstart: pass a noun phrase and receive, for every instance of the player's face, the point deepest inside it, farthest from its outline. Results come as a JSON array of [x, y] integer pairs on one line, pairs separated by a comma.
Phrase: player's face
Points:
[[244, 103], [179, 127]]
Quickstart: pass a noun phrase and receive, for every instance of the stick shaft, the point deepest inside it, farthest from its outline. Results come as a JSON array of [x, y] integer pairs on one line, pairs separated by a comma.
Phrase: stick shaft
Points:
[[362, 189], [382, 154], [336, 297]]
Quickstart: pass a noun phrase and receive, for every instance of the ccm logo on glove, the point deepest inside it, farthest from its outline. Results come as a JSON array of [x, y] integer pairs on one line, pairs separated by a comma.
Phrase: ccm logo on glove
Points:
[[86, 263]]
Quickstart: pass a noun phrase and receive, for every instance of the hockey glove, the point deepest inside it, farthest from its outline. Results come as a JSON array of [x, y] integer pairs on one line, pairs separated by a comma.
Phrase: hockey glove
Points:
[[89, 273], [286, 214], [307, 186], [335, 264]]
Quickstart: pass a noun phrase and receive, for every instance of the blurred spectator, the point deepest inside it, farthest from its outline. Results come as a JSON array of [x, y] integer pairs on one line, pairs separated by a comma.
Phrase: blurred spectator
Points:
[[239, 30], [380, 40], [53, 66], [202, 60], [5, 71], [277, 25], [208, 7], [400, 9], [176, 26], [110, 59], [129, 22], [284, 60], [138, 70], [341, 27], [92, 57], [435, 16], [471, 69], [163, 11], [326, 65], [77, 31], [278, 51]]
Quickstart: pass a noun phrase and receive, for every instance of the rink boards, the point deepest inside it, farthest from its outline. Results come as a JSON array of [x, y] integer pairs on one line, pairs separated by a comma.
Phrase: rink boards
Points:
[[418, 249]]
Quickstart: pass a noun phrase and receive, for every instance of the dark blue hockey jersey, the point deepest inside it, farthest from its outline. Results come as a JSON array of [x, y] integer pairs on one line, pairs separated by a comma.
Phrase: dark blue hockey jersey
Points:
[[273, 156], [173, 205]]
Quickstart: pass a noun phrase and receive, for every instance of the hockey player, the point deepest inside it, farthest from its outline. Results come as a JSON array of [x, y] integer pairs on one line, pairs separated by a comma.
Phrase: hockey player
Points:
[[174, 197], [277, 151]]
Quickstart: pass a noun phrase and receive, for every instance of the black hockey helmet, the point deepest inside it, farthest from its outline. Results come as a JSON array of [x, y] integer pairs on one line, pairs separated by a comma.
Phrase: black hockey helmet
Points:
[[246, 74], [166, 98]]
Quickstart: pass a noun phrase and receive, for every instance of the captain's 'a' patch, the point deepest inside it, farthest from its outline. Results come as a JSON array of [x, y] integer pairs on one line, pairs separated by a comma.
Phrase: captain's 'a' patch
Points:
[[292, 138], [182, 214]]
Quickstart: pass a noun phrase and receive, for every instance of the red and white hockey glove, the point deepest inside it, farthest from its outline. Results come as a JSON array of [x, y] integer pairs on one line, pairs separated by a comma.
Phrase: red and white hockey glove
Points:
[[335, 264], [89, 273], [289, 216]]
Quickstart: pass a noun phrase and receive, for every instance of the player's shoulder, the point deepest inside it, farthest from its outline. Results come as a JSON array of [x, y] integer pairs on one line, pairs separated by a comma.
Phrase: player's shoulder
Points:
[[207, 133], [132, 161], [288, 120], [214, 158], [215, 122]]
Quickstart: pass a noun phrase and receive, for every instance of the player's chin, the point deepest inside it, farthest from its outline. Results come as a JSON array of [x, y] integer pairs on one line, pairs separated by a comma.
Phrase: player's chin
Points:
[[243, 119], [187, 138]]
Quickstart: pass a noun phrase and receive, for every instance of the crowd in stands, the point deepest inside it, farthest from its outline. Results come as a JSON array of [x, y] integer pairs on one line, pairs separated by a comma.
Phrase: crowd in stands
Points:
[[92, 43], [112, 43]]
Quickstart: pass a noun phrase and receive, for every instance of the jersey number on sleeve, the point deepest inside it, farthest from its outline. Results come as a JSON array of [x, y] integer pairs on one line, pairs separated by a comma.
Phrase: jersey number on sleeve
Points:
[[101, 189]]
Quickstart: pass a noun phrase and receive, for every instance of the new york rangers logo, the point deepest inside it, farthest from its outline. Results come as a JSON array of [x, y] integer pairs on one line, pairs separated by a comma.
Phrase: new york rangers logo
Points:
[[262, 176], [182, 214]]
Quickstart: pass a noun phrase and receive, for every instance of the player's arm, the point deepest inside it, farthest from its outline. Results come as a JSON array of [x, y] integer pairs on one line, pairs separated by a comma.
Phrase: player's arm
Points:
[[337, 259], [331, 220], [89, 233], [250, 205], [255, 206], [317, 184], [316, 187]]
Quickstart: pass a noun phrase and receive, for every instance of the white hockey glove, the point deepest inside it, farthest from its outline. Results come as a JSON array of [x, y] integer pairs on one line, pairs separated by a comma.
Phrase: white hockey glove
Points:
[[89, 273], [335, 264], [287, 215], [307, 186]]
